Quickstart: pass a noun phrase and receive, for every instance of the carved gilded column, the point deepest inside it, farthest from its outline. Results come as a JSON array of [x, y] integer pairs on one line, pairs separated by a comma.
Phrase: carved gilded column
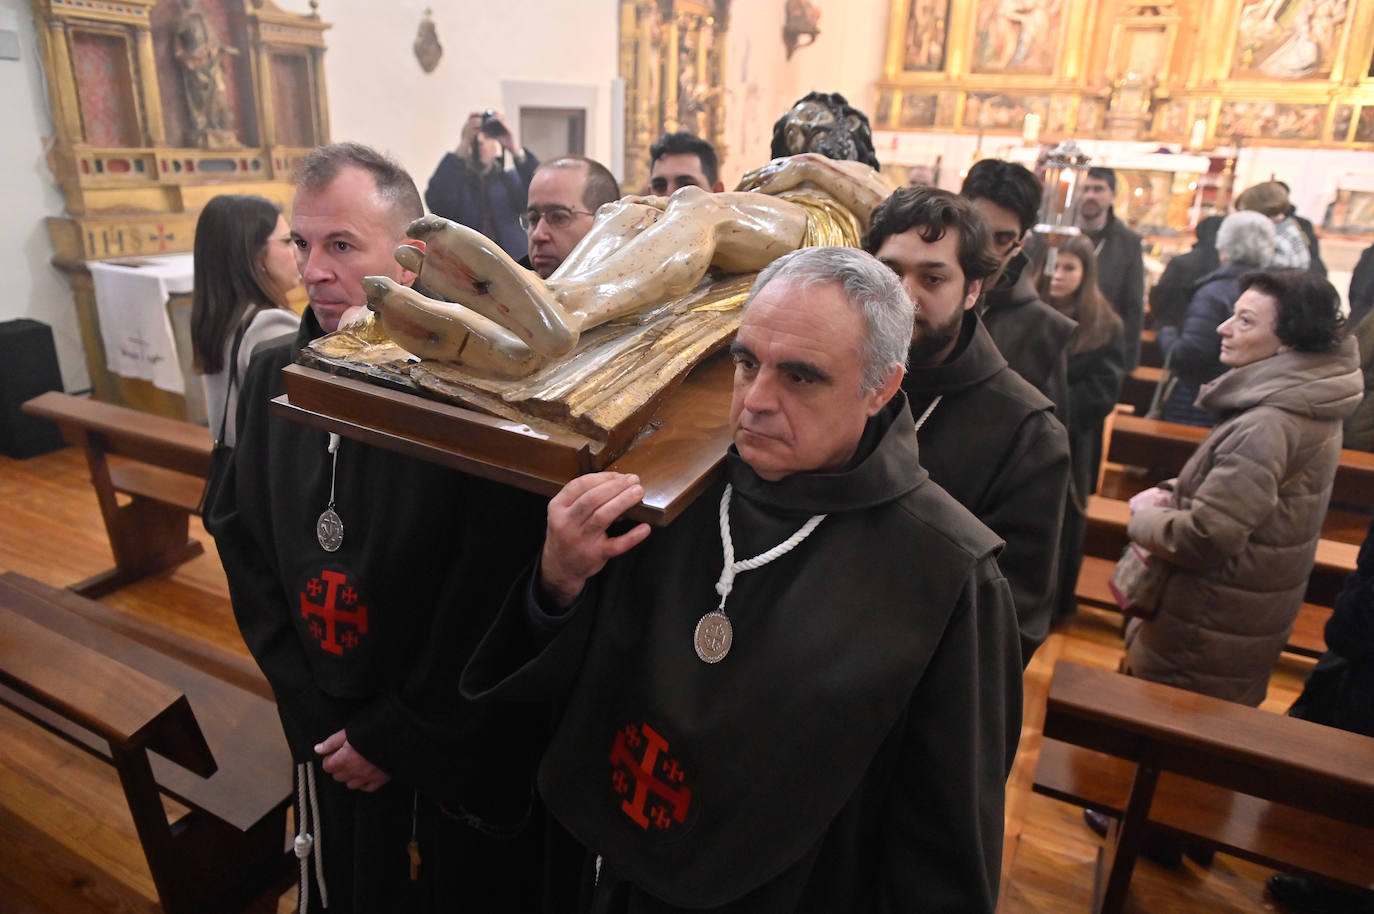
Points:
[[152, 97], [62, 85]]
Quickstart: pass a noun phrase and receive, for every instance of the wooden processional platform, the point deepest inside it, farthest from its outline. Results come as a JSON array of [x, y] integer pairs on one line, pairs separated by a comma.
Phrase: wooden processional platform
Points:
[[676, 456]]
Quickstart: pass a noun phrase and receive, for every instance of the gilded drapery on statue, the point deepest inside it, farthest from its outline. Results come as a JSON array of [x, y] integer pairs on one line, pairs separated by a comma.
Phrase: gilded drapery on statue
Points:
[[200, 54]]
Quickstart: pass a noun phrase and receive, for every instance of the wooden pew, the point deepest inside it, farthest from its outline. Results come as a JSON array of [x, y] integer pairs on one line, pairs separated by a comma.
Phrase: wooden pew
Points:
[[1150, 354], [1106, 537], [1307, 639], [167, 729], [158, 464], [1162, 448], [1138, 388], [1281, 792]]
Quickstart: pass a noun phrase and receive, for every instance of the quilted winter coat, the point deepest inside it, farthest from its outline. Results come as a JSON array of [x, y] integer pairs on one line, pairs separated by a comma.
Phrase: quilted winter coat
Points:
[[1242, 535]]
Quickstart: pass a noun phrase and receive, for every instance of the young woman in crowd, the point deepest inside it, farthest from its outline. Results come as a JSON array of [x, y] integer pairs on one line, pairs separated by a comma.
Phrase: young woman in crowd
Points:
[[1096, 368], [245, 267]]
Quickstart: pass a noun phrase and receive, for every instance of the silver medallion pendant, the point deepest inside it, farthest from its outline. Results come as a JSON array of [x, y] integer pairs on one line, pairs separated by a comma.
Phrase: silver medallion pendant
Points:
[[329, 531], [713, 637]]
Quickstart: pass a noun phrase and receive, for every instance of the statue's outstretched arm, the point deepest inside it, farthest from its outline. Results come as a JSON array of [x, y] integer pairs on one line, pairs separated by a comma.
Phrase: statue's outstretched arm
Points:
[[855, 185]]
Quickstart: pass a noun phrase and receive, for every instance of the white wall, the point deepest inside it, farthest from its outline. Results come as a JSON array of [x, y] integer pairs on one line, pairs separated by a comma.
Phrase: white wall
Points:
[[762, 83], [498, 55], [377, 95], [32, 287]]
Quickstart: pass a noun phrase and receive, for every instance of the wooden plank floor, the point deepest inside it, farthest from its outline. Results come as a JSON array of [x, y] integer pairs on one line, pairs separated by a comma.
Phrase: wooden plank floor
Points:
[[67, 844]]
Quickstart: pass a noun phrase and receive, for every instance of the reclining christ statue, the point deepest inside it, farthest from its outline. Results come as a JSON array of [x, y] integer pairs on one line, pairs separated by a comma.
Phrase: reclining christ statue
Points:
[[489, 323], [502, 319]]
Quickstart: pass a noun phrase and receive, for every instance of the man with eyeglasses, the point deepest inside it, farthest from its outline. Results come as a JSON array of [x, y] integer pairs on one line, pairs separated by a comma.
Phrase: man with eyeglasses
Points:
[[681, 160], [1032, 336], [565, 194]]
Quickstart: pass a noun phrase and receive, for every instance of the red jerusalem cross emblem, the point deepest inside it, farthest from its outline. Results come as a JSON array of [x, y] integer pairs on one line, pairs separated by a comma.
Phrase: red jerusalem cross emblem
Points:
[[338, 619], [652, 784]]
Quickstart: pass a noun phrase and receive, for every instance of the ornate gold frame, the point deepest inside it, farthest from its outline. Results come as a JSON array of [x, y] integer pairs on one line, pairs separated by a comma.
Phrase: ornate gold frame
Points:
[[142, 198], [1193, 80], [655, 98]]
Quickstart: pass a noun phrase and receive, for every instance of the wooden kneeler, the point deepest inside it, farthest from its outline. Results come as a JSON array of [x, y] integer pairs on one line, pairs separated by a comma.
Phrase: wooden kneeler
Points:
[[166, 728]]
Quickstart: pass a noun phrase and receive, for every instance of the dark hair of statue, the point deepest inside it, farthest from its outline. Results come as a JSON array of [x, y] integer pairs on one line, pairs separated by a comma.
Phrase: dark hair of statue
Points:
[[1097, 320], [1010, 186], [602, 187], [934, 212], [230, 235], [1309, 308], [394, 184], [685, 143]]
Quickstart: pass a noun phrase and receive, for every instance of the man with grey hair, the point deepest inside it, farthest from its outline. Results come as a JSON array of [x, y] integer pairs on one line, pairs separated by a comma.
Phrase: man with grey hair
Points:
[[359, 579], [1245, 242], [851, 748]]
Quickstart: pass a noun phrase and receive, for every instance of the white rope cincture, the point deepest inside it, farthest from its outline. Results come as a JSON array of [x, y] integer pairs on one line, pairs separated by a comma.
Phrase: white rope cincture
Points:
[[727, 573], [305, 843], [929, 409], [334, 440]]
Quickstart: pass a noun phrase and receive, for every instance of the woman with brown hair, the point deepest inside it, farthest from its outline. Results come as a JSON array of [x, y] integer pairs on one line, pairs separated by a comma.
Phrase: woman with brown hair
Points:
[[1096, 369], [245, 266]]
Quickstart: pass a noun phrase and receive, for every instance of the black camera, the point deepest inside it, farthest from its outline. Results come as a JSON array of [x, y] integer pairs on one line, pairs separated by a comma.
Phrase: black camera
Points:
[[491, 124]]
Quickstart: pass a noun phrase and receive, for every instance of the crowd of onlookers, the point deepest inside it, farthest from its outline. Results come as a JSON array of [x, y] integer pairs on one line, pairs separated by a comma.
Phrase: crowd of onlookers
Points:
[[439, 644]]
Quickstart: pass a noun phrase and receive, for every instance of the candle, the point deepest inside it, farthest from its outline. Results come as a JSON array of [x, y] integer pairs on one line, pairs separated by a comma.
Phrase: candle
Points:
[[1199, 133]]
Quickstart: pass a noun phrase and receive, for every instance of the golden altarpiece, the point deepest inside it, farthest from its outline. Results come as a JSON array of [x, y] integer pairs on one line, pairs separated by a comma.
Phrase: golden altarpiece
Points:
[[159, 105], [1201, 76], [672, 58]]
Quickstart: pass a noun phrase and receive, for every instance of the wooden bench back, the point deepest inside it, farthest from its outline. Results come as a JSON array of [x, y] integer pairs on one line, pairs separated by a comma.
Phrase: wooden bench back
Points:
[[161, 464], [122, 701], [123, 432], [1277, 758], [1164, 447], [128, 710]]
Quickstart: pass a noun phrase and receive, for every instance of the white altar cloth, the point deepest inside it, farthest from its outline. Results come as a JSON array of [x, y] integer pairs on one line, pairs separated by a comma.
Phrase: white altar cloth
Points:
[[131, 304]]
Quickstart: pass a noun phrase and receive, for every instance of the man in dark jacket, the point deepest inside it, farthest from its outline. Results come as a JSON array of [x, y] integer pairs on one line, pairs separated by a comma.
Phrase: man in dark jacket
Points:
[[1361, 297], [1120, 261], [986, 436], [473, 187], [1170, 296], [768, 709], [361, 580], [1032, 336]]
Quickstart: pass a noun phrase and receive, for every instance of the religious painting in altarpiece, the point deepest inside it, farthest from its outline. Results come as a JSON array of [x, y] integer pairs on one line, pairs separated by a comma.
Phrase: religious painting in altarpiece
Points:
[[1194, 73]]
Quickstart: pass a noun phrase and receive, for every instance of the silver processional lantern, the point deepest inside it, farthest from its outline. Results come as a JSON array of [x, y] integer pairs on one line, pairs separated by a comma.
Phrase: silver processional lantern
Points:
[[1065, 167]]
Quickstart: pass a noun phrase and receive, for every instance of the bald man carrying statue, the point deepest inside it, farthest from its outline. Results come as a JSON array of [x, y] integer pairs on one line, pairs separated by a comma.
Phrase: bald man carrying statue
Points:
[[503, 321]]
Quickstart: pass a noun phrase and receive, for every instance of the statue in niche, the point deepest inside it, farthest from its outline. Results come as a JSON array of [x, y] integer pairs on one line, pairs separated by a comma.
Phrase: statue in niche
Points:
[[200, 53]]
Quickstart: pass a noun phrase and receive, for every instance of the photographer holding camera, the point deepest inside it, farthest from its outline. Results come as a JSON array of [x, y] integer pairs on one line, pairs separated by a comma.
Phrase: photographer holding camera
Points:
[[473, 187]]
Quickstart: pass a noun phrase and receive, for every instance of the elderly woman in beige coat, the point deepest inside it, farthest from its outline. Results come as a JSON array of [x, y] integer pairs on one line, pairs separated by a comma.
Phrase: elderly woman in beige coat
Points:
[[1239, 526]]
